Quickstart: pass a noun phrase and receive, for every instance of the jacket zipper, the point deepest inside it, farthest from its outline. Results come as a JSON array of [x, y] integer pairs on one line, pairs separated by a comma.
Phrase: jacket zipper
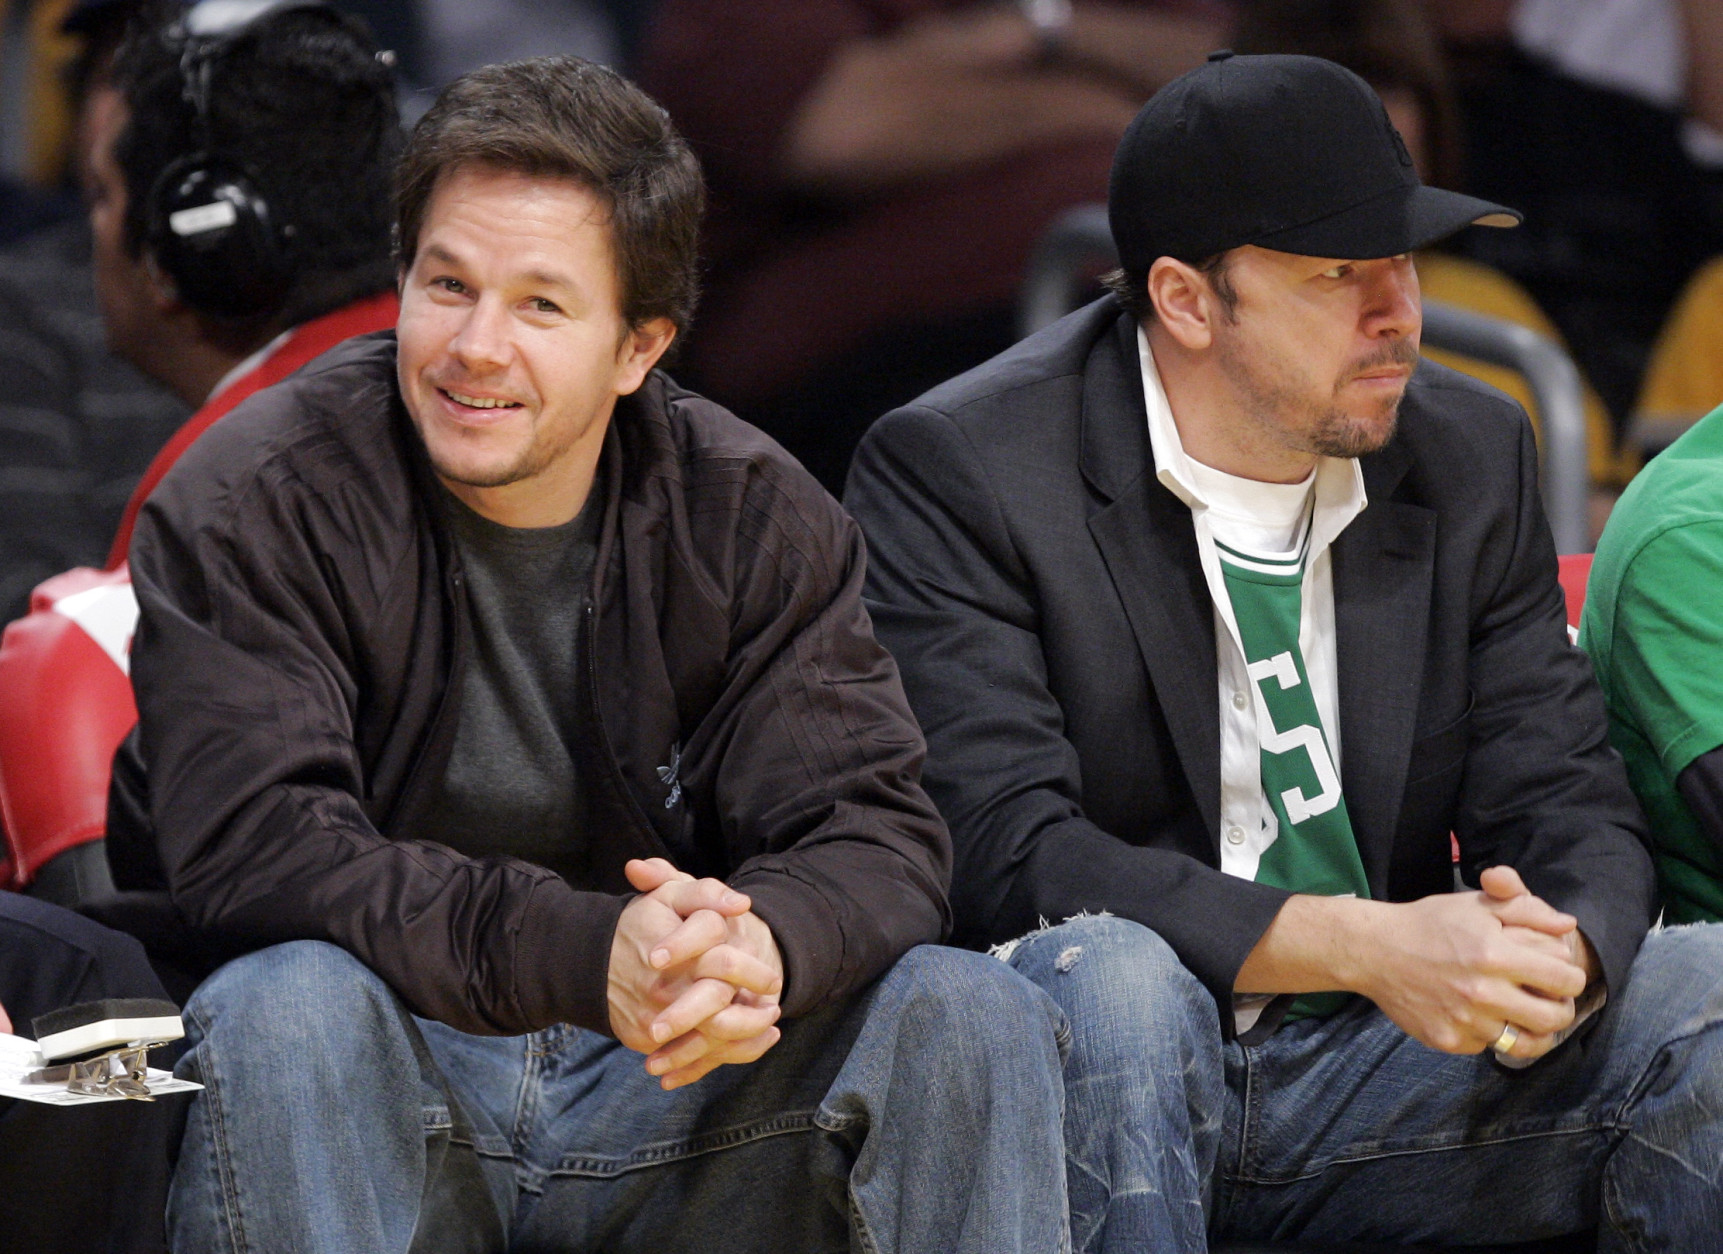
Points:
[[631, 803]]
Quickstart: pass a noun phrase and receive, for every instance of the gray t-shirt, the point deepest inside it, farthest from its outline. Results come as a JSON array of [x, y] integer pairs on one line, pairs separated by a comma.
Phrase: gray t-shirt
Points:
[[513, 785]]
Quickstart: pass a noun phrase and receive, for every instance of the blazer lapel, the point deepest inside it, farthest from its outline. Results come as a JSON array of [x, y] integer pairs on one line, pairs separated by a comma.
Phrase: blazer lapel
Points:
[[1149, 545], [1384, 565]]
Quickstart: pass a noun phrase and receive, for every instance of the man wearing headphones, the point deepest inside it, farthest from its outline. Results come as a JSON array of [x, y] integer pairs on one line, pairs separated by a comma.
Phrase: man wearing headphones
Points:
[[238, 177], [239, 199]]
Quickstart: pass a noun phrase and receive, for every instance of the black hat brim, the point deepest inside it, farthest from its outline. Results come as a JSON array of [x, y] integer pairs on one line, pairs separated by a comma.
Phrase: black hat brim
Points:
[[1401, 220]]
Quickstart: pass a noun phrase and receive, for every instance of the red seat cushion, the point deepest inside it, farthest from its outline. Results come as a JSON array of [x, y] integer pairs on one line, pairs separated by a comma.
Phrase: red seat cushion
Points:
[[65, 705], [1573, 570]]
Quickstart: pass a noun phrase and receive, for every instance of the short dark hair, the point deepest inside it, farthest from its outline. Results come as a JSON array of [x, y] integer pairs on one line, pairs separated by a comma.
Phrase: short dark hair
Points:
[[1130, 287], [565, 118], [301, 103]]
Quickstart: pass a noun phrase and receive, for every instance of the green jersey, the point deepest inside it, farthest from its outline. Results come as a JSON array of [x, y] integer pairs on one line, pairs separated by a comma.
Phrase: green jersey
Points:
[[1653, 624], [1313, 849]]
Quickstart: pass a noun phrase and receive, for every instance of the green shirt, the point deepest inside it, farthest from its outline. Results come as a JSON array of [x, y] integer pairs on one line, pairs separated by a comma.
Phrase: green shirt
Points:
[[1313, 849], [1653, 624]]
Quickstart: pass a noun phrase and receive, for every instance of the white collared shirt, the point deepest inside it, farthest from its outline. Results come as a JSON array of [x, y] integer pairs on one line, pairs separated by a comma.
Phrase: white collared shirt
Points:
[[1261, 517]]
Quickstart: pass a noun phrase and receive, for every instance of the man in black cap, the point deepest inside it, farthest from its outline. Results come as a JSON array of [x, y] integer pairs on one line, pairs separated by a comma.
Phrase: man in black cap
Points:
[[1221, 611]]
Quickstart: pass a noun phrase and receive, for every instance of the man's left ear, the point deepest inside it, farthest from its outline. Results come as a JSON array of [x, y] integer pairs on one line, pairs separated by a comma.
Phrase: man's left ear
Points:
[[641, 350]]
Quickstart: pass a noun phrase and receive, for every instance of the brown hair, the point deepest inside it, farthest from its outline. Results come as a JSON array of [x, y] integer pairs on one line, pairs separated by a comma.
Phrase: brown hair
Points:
[[565, 118], [1131, 287], [1390, 44]]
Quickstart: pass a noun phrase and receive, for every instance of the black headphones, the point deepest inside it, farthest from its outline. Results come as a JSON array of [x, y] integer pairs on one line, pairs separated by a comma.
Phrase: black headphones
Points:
[[209, 227]]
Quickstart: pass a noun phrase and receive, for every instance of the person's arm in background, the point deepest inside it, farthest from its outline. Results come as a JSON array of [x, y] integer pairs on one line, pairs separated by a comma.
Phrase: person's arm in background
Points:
[[1143, 49], [954, 90], [1474, 21], [1667, 662], [1704, 28]]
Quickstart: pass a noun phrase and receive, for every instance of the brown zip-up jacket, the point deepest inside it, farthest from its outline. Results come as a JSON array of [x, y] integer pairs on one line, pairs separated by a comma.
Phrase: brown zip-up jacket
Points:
[[298, 667]]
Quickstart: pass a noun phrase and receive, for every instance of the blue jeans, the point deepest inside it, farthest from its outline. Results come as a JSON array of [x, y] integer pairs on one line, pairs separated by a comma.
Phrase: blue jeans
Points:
[[1346, 1129], [922, 1115]]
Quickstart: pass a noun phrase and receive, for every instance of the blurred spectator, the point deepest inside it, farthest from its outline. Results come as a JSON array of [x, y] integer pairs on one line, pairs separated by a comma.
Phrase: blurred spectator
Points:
[[461, 35], [35, 117], [1393, 45], [296, 120], [77, 425], [436, 41], [239, 173], [880, 171], [1668, 53], [1597, 119]]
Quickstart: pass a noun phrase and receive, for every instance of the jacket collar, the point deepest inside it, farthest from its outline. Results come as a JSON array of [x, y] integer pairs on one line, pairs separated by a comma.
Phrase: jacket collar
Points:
[[1149, 544], [1115, 421], [1384, 572]]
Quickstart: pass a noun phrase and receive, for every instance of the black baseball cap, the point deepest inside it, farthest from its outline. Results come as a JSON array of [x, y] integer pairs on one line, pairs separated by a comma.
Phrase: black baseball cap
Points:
[[1292, 153]]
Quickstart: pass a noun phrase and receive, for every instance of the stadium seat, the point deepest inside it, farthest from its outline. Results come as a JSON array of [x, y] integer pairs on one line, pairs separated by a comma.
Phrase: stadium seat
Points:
[[65, 705], [1574, 570]]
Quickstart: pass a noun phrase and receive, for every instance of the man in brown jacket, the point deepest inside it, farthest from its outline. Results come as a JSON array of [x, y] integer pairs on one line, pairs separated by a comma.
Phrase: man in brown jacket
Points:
[[462, 653]]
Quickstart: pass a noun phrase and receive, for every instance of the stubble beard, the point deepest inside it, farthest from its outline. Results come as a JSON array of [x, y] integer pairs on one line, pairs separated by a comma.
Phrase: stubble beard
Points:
[[1335, 433], [532, 461], [529, 461], [1320, 427]]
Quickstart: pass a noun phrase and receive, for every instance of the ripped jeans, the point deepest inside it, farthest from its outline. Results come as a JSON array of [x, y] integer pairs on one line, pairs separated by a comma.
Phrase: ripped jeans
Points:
[[922, 1114], [1345, 1129]]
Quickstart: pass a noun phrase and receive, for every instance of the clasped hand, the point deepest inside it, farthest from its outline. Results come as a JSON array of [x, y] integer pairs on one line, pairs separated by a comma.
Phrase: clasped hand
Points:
[[695, 975], [1452, 969]]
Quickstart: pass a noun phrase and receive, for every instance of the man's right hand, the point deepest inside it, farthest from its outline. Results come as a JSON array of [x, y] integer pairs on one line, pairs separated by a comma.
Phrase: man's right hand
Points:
[[691, 982]]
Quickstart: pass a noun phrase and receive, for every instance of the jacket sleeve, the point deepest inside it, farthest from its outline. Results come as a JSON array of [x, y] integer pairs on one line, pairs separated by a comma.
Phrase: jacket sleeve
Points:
[[818, 758], [1665, 638], [955, 603], [247, 680], [1543, 791], [1701, 787]]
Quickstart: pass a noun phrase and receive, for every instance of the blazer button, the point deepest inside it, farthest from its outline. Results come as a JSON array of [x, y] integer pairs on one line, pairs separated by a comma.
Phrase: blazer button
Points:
[[1235, 835]]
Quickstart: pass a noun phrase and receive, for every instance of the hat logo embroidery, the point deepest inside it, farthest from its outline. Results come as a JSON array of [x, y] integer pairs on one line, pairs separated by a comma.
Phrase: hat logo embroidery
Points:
[[1400, 149]]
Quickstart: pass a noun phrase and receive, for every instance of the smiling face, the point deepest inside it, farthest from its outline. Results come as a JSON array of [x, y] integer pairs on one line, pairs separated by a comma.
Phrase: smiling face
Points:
[[513, 347], [1318, 352]]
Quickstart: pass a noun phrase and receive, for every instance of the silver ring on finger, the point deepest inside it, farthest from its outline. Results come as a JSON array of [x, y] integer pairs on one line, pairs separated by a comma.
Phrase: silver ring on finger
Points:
[[1505, 1041]]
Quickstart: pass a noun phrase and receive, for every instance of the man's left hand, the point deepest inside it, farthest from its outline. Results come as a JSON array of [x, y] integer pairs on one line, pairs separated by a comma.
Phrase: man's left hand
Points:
[[1517, 908], [723, 1015]]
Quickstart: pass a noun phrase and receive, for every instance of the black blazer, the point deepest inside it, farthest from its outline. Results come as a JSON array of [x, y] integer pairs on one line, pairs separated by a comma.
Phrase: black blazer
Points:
[[1042, 593]]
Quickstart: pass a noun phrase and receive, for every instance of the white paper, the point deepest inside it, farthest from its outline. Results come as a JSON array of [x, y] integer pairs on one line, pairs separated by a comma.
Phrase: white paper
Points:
[[19, 1057]]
